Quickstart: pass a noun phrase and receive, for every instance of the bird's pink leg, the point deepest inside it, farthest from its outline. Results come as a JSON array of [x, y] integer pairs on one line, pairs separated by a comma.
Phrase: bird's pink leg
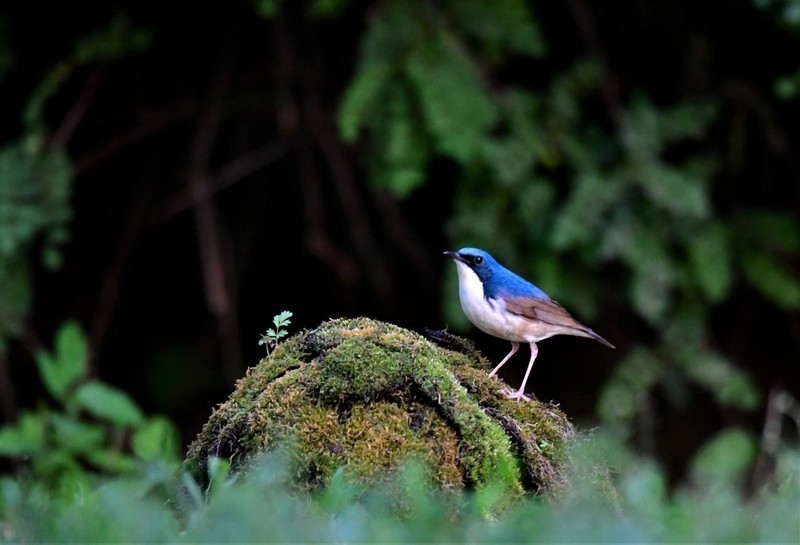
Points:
[[521, 392], [514, 348]]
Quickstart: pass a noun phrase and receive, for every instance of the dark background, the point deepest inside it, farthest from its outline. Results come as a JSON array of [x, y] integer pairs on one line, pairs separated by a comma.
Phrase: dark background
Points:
[[174, 291]]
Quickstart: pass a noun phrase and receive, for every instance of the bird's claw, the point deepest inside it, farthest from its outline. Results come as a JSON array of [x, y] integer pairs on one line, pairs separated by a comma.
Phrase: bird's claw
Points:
[[514, 394]]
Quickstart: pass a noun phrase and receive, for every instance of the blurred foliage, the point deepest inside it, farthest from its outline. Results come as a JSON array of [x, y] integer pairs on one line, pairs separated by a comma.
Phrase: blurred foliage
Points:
[[36, 175], [263, 506], [418, 91], [93, 425], [544, 175], [787, 14], [611, 493]]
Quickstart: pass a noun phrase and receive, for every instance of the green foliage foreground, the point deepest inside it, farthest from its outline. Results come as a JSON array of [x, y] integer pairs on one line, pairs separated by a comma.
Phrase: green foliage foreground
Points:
[[264, 507], [59, 495]]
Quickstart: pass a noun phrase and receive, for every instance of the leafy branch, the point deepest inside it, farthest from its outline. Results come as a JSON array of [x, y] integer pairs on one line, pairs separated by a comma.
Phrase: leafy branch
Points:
[[93, 424]]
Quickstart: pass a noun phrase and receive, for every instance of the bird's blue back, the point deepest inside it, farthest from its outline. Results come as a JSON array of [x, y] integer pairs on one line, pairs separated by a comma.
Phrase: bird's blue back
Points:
[[499, 281]]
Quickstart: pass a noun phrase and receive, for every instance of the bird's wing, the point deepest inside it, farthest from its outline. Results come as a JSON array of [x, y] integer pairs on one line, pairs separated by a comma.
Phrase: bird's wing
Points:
[[544, 310], [548, 311]]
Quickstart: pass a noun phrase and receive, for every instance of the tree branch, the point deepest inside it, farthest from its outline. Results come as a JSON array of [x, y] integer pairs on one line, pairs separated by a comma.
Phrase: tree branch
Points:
[[345, 185], [151, 124], [238, 169], [288, 115], [77, 111], [214, 253], [609, 88]]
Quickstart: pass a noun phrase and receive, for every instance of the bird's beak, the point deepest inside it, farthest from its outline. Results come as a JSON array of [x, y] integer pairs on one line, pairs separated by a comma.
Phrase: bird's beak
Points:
[[456, 256]]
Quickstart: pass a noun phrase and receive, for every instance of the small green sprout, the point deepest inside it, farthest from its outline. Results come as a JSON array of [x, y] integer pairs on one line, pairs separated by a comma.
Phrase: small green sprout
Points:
[[273, 335]]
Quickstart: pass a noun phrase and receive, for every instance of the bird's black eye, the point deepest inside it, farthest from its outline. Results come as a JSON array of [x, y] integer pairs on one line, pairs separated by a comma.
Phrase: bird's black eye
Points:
[[478, 259]]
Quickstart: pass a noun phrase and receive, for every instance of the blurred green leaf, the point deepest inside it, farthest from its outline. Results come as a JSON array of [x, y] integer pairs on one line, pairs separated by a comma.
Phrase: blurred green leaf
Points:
[[711, 262], [727, 383], [635, 508], [589, 206], [108, 403], [35, 188], [193, 489], [339, 492], [757, 230], [633, 378], [75, 435], [15, 297], [327, 8], [218, 471], [725, 458], [653, 271], [457, 121], [399, 163], [112, 461], [156, 439], [361, 96], [788, 87], [63, 369], [644, 489], [24, 438], [113, 42], [267, 8], [772, 280], [677, 190], [500, 26]]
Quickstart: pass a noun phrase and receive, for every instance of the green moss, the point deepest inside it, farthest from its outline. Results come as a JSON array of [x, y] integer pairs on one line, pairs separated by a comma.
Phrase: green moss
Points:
[[366, 396]]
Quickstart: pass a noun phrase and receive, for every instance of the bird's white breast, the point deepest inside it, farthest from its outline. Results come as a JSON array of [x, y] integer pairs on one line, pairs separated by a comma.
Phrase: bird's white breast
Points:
[[488, 316], [491, 316]]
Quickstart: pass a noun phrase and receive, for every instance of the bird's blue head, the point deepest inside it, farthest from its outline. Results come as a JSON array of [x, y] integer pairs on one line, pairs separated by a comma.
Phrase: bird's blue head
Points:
[[480, 261]]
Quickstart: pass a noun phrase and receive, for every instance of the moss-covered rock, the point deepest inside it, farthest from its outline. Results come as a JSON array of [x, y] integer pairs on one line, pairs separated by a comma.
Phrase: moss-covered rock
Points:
[[366, 395]]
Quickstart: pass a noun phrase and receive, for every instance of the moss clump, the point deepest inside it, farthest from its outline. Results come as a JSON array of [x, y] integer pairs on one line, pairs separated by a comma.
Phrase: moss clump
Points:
[[367, 395]]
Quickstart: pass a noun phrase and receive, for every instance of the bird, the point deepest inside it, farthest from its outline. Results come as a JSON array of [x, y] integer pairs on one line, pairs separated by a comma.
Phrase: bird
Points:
[[505, 305]]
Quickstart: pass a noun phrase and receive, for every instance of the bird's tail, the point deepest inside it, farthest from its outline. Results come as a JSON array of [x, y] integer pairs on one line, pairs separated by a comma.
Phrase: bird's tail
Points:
[[592, 335]]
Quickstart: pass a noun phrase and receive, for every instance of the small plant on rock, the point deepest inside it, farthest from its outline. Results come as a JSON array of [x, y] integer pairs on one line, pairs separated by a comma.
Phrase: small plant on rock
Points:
[[273, 335]]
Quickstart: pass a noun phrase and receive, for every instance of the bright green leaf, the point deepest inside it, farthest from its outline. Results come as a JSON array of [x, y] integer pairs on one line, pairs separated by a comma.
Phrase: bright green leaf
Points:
[[282, 319], [62, 370]]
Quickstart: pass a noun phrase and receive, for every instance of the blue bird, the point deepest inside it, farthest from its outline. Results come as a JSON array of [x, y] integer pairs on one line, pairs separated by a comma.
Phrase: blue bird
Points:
[[507, 306]]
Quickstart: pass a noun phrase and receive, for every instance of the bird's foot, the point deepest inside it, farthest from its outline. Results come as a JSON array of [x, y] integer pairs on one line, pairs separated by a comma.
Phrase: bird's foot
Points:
[[514, 394]]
